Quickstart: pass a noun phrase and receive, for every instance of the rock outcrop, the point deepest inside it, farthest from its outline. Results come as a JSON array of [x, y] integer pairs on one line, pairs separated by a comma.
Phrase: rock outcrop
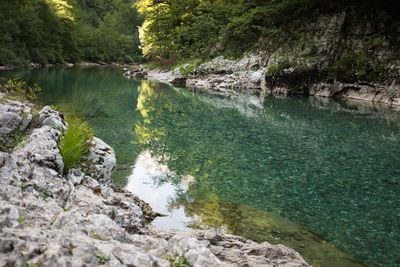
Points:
[[14, 117], [82, 219], [135, 73]]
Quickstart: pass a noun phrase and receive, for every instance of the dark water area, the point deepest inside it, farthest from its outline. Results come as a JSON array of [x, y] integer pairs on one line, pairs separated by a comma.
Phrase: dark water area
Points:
[[318, 175]]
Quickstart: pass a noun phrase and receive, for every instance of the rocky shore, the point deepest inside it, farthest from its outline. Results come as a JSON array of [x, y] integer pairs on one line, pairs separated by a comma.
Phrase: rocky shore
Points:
[[250, 76], [50, 217], [336, 55]]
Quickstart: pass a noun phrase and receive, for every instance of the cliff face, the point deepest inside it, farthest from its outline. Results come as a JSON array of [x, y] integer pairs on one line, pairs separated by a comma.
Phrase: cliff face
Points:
[[82, 219], [345, 55]]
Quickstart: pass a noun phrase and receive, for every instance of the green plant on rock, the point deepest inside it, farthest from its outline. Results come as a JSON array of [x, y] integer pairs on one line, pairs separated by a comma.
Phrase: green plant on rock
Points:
[[22, 220], [178, 261], [280, 67], [13, 141], [187, 68], [74, 145], [102, 258], [43, 193]]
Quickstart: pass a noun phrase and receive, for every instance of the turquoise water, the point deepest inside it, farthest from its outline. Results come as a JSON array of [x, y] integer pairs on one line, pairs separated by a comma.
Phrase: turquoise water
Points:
[[332, 167]]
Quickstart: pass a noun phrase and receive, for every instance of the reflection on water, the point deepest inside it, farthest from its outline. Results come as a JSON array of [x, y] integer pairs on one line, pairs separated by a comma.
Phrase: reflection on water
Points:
[[157, 185], [332, 167], [149, 180]]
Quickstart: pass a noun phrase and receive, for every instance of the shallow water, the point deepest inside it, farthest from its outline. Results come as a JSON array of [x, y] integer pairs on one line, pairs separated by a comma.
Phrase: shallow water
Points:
[[331, 169]]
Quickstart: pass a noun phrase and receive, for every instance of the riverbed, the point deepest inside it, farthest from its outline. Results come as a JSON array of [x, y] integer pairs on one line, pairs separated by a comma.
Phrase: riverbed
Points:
[[315, 174]]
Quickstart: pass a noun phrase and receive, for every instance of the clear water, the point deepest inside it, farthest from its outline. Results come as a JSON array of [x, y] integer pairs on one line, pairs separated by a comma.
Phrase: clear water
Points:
[[292, 170]]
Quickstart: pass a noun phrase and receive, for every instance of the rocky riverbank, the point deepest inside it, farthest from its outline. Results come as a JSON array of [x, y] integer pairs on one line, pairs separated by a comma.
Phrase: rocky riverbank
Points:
[[49, 217], [341, 55], [247, 77]]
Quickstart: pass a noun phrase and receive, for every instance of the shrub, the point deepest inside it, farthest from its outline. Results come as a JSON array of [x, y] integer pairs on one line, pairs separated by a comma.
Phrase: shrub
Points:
[[74, 145], [21, 89], [279, 68]]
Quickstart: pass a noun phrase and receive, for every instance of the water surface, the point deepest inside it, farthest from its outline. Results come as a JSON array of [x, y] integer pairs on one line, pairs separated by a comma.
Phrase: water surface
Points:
[[311, 173]]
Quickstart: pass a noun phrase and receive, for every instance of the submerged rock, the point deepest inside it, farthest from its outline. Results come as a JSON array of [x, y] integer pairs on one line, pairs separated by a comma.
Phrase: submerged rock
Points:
[[82, 219]]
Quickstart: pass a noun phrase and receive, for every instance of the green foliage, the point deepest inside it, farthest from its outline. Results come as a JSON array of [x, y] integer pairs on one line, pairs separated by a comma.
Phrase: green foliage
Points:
[[21, 89], [42, 193], [22, 220], [187, 68], [102, 258], [353, 67], [56, 31], [178, 261], [74, 145], [15, 140], [280, 67], [23, 186], [186, 29]]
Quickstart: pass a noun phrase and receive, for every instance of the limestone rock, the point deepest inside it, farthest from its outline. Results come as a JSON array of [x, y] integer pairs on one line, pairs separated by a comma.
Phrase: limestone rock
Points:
[[135, 73], [53, 118], [75, 176], [15, 118], [102, 157], [9, 123]]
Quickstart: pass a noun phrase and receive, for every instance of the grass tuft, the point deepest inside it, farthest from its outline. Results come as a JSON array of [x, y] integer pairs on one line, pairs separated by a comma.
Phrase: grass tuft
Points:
[[74, 143]]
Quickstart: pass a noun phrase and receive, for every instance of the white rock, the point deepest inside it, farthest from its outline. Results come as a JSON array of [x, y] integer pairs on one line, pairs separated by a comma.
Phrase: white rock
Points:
[[53, 118], [102, 157]]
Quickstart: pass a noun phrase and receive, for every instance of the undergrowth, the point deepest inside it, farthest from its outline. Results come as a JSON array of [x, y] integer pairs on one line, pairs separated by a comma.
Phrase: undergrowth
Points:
[[20, 89], [279, 68]]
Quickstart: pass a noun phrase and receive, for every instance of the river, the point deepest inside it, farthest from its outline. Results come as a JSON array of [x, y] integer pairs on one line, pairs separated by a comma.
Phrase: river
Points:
[[319, 175]]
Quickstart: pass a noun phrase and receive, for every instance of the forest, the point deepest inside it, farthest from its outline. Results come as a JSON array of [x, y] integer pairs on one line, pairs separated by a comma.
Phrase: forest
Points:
[[198, 28], [53, 31], [56, 31]]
